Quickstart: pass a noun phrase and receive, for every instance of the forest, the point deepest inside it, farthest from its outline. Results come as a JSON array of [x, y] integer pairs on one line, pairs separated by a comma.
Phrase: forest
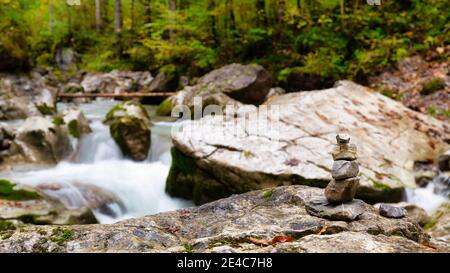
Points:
[[323, 40], [225, 126]]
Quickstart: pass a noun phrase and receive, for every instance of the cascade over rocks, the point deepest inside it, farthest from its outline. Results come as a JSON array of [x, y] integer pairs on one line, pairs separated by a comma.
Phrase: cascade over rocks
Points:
[[241, 223], [214, 158]]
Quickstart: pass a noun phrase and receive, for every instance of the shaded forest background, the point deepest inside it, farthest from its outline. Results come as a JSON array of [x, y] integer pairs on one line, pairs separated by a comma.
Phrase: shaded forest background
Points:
[[322, 41]]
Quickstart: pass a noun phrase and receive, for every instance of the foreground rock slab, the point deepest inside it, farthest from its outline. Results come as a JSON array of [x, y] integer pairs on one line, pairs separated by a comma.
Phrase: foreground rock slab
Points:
[[221, 155], [251, 222]]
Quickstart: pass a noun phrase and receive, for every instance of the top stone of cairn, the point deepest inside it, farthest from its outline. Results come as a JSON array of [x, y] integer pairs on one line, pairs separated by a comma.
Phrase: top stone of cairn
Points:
[[343, 138]]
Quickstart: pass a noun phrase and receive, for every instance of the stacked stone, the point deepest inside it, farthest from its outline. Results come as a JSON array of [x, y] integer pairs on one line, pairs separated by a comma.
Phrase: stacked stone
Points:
[[345, 182]]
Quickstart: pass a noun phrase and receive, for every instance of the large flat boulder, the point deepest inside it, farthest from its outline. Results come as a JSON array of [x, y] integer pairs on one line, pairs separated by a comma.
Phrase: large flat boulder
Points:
[[291, 143], [251, 222]]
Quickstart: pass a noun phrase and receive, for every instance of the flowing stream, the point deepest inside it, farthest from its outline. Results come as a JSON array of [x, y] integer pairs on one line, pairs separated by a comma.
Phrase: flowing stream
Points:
[[102, 175], [118, 188]]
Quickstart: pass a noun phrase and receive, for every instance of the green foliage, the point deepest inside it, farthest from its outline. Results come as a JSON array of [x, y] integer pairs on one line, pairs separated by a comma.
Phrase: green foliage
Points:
[[432, 86], [319, 38], [61, 235], [7, 192]]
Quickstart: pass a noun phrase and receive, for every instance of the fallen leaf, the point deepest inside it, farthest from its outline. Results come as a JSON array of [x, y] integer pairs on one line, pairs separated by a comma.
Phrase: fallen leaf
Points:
[[282, 239]]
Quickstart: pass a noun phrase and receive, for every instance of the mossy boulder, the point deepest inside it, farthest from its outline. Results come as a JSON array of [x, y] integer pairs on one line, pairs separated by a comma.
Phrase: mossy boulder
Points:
[[130, 128], [8, 192], [76, 121]]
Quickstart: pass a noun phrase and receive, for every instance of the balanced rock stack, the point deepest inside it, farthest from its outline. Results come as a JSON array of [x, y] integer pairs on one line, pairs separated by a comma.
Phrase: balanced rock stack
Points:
[[342, 188]]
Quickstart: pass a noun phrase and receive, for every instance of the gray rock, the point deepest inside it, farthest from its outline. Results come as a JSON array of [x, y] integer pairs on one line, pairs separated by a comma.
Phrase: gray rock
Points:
[[343, 139], [414, 212], [344, 152], [392, 211], [439, 227], [247, 84], [232, 225], [342, 191], [348, 211], [343, 169], [442, 184]]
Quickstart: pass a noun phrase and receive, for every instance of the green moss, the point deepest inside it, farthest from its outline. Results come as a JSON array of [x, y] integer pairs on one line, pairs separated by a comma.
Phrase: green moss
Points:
[[4, 235], [58, 121], [165, 108], [46, 109], [6, 225], [267, 194], [61, 235], [122, 107], [432, 86], [74, 129], [7, 192], [180, 179], [380, 185], [182, 162], [188, 248]]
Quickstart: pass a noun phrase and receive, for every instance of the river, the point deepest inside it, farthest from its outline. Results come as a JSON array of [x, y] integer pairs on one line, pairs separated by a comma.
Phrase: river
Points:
[[138, 186]]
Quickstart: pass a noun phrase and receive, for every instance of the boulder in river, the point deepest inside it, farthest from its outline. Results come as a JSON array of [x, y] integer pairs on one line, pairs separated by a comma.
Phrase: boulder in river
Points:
[[248, 84], [76, 122], [251, 222], [22, 96], [38, 140], [130, 128], [289, 140], [117, 82]]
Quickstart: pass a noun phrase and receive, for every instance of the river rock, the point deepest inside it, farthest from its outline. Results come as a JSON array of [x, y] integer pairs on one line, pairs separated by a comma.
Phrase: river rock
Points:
[[389, 136], [442, 184], [248, 84], [343, 169], [117, 82], [22, 95], [233, 223], [341, 191], [391, 211], [29, 206], [130, 128], [38, 140], [414, 212], [76, 122], [348, 211]]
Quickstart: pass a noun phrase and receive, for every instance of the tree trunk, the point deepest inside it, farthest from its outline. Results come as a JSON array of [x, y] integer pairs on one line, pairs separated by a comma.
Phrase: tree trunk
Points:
[[172, 19], [229, 7], [211, 8], [148, 12], [98, 15], [261, 13], [50, 13], [118, 25], [281, 10], [132, 21]]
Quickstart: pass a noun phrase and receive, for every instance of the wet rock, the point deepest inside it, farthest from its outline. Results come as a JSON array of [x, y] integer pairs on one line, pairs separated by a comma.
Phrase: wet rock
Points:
[[343, 169], [422, 178], [236, 157], [164, 82], [130, 128], [247, 84], [442, 184], [444, 161], [32, 207], [439, 227], [38, 140], [232, 225], [340, 191], [391, 211], [348, 211], [22, 95], [76, 122]]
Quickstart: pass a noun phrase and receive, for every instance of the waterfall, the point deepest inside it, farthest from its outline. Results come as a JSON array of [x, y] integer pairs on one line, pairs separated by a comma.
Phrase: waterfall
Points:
[[101, 178]]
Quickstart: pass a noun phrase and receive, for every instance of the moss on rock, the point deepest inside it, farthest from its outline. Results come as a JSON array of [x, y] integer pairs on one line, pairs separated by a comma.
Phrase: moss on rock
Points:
[[46, 109], [165, 108], [74, 129], [432, 86], [7, 192]]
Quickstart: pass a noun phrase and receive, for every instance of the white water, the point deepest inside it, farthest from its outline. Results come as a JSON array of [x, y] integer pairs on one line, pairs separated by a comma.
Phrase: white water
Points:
[[139, 186]]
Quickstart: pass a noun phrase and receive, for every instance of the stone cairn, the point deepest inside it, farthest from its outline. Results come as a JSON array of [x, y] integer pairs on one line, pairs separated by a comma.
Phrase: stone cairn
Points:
[[342, 188]]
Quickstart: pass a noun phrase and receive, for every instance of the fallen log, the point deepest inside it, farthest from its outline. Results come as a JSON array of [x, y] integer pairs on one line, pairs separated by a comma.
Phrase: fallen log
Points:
[[113, 95]]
